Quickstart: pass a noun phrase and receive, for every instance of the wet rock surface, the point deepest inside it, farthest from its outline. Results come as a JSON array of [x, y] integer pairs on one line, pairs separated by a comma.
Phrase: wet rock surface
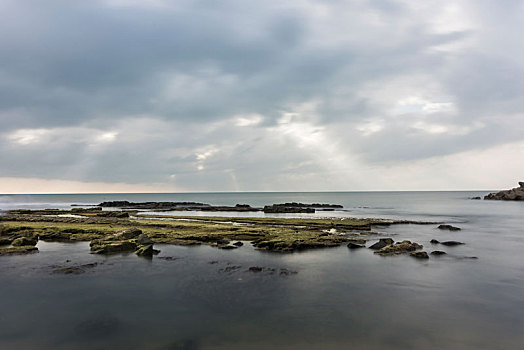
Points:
[[383, 242], [419, 255], [398, 248]]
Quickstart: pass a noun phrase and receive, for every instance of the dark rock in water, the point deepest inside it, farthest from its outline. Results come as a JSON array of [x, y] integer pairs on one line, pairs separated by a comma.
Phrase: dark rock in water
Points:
[[222, 241], [286, 272], [25, 249], [74, 270], [438, 252], [106, 247], [145, 250], [114, 214], [475, 198], [352, 245], [277, 208], [24, 241], [399, 248], [449, 228], [255, 269], [143, 239], [229, 269], [434, 241], [227, 247], [83, 210], [515, 194], [383, 242], [238, 244], [451, 243], [419, 255]]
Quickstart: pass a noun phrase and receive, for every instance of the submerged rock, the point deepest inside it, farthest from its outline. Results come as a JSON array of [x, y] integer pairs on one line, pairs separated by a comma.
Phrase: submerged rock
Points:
[[434, 241], [449, 228], [515, 194], [438, 252], [238, 244], [352, 245], [419, 255], [74, 270], [399, 248], [255, 269], [452, 243], [383, 242]]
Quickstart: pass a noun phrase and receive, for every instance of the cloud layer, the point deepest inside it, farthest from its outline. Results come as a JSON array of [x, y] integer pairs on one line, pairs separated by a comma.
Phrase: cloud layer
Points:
[[298, 95]]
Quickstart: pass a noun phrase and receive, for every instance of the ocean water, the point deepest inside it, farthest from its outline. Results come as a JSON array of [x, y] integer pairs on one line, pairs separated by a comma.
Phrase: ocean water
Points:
[[205, 298]]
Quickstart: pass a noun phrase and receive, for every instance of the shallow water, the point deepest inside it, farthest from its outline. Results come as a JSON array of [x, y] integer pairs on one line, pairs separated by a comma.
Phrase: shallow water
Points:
[[338, 298]]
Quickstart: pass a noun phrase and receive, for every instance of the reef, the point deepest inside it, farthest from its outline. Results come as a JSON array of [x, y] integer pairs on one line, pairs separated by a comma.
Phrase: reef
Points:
[[514, 194]]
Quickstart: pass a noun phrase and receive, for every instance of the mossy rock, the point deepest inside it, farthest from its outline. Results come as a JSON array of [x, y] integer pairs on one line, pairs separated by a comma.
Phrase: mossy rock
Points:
[[24, 241], [107, 247], [18, 250], [399, 248], [5, 240]]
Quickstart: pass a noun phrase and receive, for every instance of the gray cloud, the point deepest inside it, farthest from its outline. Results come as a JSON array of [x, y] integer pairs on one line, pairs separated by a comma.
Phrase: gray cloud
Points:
[[251, 96]]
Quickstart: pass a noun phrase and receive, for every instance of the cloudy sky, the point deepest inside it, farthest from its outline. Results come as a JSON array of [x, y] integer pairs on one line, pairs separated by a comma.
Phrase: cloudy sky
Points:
[[154, 95]]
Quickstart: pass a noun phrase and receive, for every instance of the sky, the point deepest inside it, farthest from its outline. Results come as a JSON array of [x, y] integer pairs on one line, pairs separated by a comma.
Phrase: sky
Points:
[[189, 96]]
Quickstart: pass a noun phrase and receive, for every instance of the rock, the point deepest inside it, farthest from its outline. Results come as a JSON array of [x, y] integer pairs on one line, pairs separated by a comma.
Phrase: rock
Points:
[[449, 228], [383, 242], [451, 243], [475, 198], [5, 241], [74, 270], [515, 194], [114, 214], [24, 241], [25, 249], [352, 245], [238, 244], [145, 250], [419, 255], [129, 233], [227, 247], [398, 248], [286, 272], [107, 247], [222, 242], [438, 252], [434, 241], [144, 239], [255, 269], [282, 208]]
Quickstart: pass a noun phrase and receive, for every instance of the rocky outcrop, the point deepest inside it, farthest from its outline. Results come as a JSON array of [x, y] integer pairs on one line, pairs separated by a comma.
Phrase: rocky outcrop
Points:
[[352, 245], [294, 207], [383, 242], [515, 194], [449, 228], [25, 249], [24, 241], [451, 243], [129, 240], [399, 248], [438, 252], [419, 255]]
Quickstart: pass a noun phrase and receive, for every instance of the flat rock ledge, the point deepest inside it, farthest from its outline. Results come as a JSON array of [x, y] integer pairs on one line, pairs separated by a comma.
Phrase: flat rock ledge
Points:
[[515, 194]]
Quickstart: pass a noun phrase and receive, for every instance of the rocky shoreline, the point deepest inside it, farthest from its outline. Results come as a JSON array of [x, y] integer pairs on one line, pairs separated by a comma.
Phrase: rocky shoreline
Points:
[[514, 194], [20, 231]]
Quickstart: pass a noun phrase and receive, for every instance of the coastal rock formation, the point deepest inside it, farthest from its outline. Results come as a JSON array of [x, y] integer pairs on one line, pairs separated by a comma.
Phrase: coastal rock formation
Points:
[[451, 243], [515, 194], [399, 248], [449, 228], [438, 252], [25, 249], [24, 241], [299, 207], [352, 245], [419, 255], [383, 242]]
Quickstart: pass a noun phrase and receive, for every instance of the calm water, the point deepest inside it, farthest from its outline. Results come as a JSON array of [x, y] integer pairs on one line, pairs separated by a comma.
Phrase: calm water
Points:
[[338, 299]]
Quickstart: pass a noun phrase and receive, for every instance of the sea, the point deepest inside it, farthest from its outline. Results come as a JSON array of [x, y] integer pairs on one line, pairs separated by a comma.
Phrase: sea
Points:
[[201, 297]]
